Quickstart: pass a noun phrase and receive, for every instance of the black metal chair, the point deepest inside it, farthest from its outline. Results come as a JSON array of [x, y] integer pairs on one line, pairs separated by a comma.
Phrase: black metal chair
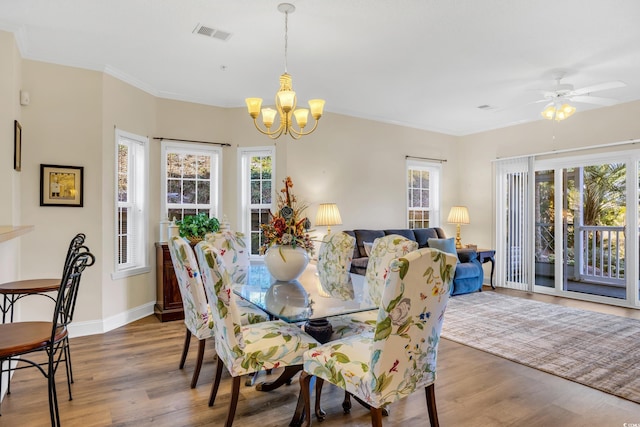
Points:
[[74, 247], [20, 339], [23, 288]]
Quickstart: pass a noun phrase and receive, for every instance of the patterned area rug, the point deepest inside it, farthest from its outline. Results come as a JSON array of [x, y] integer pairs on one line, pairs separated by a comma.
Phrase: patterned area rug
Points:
[[598, 350]]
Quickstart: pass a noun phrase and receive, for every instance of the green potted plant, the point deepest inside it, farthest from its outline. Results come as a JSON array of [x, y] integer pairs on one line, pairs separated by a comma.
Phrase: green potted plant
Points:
[[194, 227]]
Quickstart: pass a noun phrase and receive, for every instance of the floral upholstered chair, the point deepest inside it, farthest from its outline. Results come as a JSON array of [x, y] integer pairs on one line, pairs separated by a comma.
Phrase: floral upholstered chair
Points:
[[334, 263], [197, 317], [197, 314], [250, 348], [399, 357], [233, 249], [384, 250]]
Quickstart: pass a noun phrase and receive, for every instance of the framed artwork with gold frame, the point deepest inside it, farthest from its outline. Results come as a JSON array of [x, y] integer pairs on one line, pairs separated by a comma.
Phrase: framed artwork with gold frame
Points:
[[61, 185]]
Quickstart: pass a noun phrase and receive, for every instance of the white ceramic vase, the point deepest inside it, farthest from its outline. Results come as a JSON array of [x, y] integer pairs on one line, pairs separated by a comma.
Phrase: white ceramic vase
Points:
[[286, 263]]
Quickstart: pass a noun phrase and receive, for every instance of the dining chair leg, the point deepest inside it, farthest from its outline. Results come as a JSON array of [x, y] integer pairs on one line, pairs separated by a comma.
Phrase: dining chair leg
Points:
[[66, 351], [346, 403], [430, 391], [305, 389], [185, 349], [235, 392], [68, 358], [320, 414], [216, 382], [53, 398], [376, 417], [196, 372]]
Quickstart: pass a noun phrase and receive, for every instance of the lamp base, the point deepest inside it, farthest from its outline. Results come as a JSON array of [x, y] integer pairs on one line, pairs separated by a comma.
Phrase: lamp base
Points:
[[458, 240]]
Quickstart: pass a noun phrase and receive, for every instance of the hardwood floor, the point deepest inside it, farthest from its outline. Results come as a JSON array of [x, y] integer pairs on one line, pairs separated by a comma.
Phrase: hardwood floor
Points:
[[130, 377]]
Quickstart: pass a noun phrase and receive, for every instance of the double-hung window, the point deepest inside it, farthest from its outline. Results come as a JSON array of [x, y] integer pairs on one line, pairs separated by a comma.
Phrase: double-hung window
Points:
[[257, 175], [132, 158], [191, 179], [423, 193]]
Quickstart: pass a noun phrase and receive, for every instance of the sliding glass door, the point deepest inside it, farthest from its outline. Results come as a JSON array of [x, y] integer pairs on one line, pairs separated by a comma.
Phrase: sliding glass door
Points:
[[578, 211]]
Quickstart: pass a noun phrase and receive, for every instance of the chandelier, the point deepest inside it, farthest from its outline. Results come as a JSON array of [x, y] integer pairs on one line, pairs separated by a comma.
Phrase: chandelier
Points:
[[285, 101], [558, 112]]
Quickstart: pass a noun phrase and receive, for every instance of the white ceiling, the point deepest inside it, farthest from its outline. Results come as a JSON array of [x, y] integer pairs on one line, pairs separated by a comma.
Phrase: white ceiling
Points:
[[426, 64]]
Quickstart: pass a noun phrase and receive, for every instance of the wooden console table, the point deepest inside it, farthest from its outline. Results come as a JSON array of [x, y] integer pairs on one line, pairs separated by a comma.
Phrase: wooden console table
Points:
[[168, 299]]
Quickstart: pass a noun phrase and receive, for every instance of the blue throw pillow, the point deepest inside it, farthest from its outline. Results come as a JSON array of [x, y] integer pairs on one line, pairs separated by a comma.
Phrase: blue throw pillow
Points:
[[445, 245]]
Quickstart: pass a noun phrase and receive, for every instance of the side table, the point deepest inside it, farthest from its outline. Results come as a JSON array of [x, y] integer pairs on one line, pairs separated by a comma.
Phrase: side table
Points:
[[488, 255], [168, 298], [13, 291]]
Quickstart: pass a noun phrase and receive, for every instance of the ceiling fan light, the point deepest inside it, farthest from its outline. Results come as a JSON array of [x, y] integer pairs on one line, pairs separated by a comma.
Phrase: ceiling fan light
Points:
[[568, 110], [549, 113]]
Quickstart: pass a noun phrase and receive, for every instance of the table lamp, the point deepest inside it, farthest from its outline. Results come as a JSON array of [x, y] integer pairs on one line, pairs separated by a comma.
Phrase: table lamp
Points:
[[328, 214], [458, 215]]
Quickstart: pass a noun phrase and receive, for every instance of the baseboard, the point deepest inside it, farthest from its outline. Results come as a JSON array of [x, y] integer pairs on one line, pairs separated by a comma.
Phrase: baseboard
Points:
[[94, 327]]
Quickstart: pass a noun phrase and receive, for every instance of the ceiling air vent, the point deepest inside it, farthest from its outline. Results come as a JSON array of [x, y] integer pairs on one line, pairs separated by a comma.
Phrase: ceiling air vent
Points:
[[486, 107], [211, 32]]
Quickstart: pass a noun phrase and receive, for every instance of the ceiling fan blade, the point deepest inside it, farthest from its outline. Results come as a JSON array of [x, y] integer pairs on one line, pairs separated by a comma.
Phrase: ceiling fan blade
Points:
[[514, 107], [601, 86], [594, 100]]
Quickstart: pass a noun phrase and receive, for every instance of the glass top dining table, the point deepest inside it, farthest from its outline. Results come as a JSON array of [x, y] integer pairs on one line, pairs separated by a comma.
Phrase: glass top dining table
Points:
[[300, 300]]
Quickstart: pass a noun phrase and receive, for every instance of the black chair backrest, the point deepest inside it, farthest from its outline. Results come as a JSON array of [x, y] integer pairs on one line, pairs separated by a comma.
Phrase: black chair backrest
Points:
[[68, 292], [74, 245]]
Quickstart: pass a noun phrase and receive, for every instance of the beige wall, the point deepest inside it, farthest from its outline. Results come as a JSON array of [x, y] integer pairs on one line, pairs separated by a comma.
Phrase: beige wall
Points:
[[583, 129], [131, 110], [10, 83], [72, 118], [356, 163], [62, 126]]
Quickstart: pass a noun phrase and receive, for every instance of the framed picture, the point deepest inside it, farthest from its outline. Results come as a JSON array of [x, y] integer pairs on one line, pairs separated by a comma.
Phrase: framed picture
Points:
[[61, 185], [17, 146]]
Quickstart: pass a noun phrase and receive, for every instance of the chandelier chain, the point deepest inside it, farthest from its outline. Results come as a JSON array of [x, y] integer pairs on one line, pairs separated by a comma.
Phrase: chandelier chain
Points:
[[286, 38]]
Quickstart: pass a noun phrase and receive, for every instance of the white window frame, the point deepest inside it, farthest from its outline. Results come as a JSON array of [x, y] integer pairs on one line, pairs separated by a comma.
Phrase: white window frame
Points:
[[244, 179], [214, 205], [435, 175], [137, 190]]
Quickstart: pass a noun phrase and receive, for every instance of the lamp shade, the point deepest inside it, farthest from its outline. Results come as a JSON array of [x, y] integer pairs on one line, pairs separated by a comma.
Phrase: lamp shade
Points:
[[328, 214], [458, 215]]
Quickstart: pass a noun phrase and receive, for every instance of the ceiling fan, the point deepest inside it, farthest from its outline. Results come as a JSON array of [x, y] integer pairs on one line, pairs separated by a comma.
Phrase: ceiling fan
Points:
[[558, 106]]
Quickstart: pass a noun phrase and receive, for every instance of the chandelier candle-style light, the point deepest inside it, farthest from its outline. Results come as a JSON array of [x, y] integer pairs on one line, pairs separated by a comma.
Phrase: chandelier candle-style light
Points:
[[285, 101]]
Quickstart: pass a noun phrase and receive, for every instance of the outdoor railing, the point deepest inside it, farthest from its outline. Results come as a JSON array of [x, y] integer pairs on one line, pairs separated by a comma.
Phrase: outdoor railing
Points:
[[602, 253], [595, 254]]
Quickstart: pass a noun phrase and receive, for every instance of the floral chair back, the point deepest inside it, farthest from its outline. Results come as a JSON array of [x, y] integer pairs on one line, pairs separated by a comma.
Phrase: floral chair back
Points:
[[412, 309], [246, 349], [334, 263], [383, 251], [218, 286], [400, 356], [196, 310], [233, 249]]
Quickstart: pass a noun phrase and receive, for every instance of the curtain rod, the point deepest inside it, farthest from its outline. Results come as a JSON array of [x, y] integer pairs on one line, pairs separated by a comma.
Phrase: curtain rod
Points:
[[221, 144], [426, 158], [569, 150]]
